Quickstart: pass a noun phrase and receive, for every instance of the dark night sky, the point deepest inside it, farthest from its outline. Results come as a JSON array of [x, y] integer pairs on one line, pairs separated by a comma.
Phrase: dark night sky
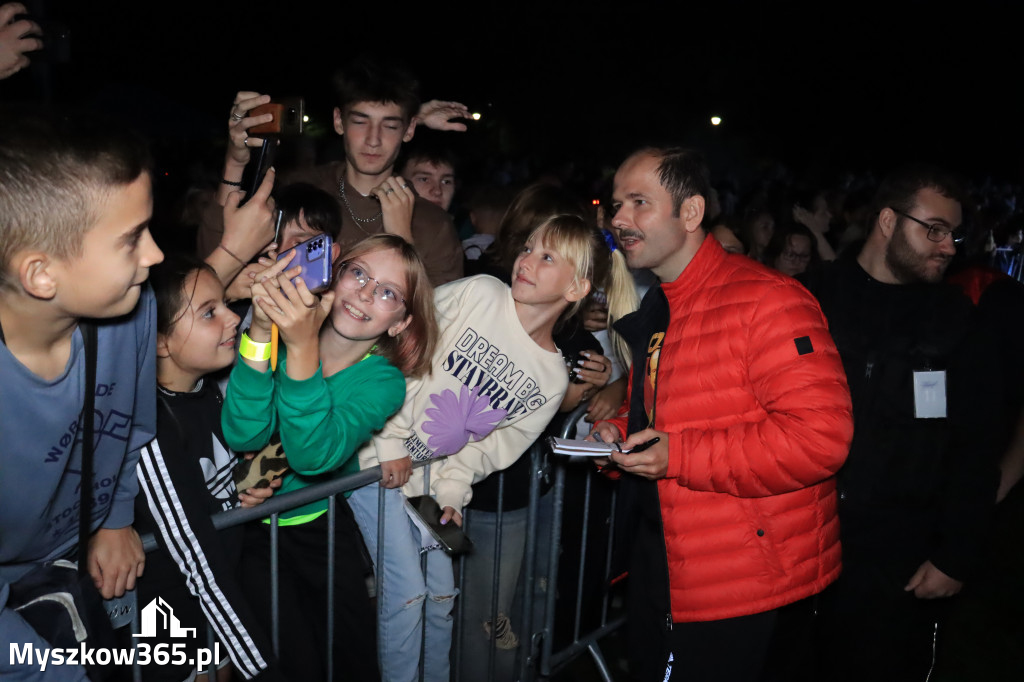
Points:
[[818, 85]]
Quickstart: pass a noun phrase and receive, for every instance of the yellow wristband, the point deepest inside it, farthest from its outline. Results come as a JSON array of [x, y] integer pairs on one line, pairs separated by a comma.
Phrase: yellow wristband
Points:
[[250, 350]]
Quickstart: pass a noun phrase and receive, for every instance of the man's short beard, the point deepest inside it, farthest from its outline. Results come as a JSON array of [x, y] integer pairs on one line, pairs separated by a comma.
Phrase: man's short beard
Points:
[[906, 264]]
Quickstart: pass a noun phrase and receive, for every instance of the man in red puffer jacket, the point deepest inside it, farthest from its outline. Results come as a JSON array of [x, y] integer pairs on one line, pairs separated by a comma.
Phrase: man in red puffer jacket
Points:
[[730, 512]]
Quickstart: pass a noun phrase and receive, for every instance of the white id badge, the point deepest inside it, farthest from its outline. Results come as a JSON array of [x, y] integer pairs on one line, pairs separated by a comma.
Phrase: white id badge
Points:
[[930, 395]]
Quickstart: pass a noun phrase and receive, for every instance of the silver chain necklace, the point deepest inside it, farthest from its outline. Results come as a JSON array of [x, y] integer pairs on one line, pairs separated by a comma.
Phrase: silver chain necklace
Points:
[[344, 200]]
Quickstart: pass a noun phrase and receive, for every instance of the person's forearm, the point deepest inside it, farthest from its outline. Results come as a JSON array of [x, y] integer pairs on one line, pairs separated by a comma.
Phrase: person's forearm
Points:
[[303, 360], [573, 396], [825, 249], [257, 333], [225, 263], [233, 173]]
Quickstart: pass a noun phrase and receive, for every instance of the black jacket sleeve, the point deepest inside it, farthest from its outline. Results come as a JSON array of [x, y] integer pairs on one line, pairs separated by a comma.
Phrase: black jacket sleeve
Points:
[[175, 492], [970, 475]]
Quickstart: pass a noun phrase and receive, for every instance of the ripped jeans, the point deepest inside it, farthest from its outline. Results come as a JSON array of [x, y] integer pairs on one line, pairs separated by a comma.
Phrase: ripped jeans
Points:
[[403, 591]]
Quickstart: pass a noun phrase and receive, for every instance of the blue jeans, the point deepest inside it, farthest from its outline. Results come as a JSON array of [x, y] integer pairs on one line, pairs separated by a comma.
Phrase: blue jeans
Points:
[[404, 591], [478, 580], [478, 583]]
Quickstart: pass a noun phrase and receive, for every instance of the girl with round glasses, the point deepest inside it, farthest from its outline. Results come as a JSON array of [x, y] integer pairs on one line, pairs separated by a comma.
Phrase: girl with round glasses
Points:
[[344, 360]]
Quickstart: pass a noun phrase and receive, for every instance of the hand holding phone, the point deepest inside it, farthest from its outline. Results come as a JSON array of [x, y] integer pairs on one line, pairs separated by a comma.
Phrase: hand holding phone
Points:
[[287, 117], [244, 117], [314, 256]]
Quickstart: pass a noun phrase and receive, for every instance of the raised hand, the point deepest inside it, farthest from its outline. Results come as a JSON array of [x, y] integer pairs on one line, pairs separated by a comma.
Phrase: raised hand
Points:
[[437, 115], [240, 122], [396, 204], [16, 39]]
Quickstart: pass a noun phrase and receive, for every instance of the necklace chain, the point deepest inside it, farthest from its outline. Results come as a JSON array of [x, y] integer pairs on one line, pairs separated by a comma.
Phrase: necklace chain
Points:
[[357, 219]]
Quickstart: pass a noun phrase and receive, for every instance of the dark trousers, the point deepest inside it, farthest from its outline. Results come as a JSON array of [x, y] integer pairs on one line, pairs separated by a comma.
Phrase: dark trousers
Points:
[[773, 646], [302, 619], [870, 629]]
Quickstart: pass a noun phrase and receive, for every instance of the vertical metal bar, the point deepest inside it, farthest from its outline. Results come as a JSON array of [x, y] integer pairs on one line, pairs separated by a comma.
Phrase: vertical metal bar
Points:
[[423, 568], [492, 645], [332, 508], [606, 582], [275, 593], [211, 669], [136, 668], [460, 615], [378, 572], [556, 540], [583, 559], [530, 564]]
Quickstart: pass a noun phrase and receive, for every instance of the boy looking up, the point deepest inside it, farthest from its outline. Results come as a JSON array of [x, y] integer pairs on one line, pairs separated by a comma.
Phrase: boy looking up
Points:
[[76, 202]]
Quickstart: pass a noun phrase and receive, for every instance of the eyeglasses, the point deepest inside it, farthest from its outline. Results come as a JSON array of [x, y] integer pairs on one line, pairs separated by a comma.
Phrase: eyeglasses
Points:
[[936, 233], [354, 278], [795, 257]]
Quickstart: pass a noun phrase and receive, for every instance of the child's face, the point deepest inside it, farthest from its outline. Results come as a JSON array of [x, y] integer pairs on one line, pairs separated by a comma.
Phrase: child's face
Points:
[[359, 313], [373, 132], [542, 276], [435, 183], [106, 278], [203, 338], [295, 232]]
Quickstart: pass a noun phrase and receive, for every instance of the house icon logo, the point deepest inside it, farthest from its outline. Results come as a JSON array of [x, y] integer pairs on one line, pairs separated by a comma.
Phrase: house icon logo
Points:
[[159, 614]]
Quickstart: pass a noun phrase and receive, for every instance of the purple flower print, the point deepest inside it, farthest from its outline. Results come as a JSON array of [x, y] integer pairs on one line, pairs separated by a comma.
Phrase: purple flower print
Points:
[[454, 421]]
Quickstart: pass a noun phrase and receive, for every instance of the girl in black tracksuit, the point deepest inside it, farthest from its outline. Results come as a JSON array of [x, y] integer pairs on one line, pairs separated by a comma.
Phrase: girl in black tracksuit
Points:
[[185, 476]]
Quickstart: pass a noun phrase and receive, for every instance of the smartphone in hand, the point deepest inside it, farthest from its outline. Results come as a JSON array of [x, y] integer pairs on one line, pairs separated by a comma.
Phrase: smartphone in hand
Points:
[[314, 255]]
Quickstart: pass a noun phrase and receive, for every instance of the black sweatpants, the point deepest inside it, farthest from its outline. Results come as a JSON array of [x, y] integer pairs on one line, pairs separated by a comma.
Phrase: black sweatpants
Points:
[[302, 619], [773, 646]]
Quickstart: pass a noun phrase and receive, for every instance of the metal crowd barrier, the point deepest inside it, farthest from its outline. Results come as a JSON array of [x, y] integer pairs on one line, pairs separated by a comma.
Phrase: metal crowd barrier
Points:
[[1009, 259], [538, 659]]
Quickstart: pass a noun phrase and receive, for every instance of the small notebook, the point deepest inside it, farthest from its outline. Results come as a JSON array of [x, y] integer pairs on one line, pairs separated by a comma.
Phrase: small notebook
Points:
[[582, 448]]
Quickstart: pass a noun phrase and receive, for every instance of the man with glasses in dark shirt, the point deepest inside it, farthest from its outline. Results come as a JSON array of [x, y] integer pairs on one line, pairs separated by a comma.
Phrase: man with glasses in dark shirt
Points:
[[917, 487]]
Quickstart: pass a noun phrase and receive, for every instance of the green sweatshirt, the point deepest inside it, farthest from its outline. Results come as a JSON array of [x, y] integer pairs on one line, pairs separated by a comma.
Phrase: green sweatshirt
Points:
[[322, 421]]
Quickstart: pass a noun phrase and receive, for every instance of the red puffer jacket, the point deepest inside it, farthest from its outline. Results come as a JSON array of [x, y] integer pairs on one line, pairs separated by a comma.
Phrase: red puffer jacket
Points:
[[752, 394]]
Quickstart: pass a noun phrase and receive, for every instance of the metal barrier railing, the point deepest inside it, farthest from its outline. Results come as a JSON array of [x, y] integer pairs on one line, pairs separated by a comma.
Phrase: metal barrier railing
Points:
[[538, 658], [552, 660]]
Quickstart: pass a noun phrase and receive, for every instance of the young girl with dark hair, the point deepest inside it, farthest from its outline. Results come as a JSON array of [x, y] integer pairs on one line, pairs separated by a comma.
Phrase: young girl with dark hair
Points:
[[185, 477]]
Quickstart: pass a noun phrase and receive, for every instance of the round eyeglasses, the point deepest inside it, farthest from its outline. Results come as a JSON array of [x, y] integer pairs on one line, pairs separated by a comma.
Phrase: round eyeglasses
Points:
[[387, 296]]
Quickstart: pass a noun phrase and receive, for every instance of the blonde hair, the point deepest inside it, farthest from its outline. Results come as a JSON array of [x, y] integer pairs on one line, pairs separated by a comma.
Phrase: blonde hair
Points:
[[585, 247]]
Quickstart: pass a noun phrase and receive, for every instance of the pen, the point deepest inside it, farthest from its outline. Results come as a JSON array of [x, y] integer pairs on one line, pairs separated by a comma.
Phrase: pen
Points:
[[277, 227], [642, 446]]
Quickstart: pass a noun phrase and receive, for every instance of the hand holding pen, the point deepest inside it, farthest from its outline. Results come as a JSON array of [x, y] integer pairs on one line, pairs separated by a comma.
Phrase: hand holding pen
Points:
[[644, 453]]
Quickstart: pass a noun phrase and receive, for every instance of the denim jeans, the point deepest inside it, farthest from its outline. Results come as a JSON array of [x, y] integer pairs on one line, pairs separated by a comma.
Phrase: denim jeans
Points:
[[477, 591], [477, 588], [404, 591]]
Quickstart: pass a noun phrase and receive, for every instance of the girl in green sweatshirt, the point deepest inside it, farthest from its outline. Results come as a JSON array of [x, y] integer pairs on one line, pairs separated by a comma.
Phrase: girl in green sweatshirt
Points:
[[342, 373]]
